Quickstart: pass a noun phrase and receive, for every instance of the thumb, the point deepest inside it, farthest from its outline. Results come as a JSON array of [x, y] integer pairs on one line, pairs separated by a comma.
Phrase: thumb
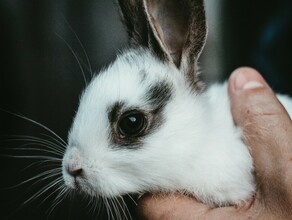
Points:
[[251, 96], [267, 130]]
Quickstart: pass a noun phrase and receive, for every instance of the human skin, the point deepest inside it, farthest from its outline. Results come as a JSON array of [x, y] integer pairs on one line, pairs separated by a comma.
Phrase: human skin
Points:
[[267, 129]]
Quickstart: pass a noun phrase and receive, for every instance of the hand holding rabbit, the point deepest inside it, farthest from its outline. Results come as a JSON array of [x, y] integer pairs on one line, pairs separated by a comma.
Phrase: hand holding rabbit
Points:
[[268, 131]]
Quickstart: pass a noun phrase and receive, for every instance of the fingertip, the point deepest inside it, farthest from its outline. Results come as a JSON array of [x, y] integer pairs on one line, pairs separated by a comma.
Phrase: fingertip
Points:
[[252, 101], [243, 85], [245, 78]]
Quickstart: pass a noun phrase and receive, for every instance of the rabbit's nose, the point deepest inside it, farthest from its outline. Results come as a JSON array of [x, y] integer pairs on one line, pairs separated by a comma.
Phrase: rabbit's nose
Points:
[[75, 171], [74, 167]]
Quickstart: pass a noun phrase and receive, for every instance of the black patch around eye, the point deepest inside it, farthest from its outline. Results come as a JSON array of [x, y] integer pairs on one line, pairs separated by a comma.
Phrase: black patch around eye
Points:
[[114, 111], [131, 125], [159, 94], [131, 133]]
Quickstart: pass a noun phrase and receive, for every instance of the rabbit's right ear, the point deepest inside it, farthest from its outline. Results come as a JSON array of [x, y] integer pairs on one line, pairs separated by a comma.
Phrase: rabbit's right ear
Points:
[[174, 30], [139, 30]]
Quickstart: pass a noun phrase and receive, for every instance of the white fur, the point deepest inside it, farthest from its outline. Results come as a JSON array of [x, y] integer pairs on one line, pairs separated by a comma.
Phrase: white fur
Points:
[[286, 102], [197, 149]]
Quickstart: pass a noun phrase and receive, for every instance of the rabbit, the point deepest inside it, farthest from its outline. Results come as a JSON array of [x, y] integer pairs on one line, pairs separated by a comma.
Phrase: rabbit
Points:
[[147, 123]]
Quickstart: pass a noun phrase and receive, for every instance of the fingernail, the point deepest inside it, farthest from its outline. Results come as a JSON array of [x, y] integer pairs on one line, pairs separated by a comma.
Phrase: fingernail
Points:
[[246, 79], [252, 85]]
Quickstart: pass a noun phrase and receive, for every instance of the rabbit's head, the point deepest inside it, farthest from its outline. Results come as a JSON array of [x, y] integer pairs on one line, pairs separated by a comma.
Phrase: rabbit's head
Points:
[[134, 114]]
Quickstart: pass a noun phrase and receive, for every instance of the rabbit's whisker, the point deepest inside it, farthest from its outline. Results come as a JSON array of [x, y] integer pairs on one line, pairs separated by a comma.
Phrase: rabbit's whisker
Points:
[[44, 190], [76, 58], [45, 173], [59, 198], [35, 123], [82, 47]]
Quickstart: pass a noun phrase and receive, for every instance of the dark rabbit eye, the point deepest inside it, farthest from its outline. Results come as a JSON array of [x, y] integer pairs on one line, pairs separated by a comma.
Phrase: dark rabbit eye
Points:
[[132, 124]]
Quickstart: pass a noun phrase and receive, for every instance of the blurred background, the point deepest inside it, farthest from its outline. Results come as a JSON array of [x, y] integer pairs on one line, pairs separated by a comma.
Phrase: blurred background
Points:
[[47, 46]]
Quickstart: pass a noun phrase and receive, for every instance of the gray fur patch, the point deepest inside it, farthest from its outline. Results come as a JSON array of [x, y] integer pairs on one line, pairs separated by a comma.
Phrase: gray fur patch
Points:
[[159, 95], [143, 74]]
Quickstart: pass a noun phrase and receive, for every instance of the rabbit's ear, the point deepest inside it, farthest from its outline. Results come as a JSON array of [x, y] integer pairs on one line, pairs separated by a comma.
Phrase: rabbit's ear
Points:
[[175, 30]]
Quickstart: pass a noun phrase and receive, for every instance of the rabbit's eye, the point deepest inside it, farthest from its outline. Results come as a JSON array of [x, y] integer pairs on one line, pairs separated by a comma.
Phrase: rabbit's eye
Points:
[[132, 124]]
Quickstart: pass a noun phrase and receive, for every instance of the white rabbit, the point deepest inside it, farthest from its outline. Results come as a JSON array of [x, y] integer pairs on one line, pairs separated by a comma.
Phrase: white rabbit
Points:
[[145, 123]]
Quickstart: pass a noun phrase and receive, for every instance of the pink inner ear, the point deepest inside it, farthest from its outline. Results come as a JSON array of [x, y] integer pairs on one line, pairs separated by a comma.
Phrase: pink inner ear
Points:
[[171, 26]]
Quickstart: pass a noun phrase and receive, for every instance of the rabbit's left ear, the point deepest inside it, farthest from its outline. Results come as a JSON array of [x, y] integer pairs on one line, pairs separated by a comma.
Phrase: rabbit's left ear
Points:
[[175, 30]]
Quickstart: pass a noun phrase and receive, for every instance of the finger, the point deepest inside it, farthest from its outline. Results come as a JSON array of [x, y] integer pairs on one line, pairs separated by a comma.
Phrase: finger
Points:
[[177, 206], [256, 109], [162, 207], [267, 129]]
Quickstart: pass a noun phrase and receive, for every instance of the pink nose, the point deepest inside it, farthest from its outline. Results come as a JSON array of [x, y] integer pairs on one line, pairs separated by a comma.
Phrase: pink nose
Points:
[[74, 167], [74, 171]]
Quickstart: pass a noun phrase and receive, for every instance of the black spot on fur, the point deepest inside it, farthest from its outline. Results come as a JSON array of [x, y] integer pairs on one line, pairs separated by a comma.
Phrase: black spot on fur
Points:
[[157, 97], [114, 111], [159, 94], [143, 74]]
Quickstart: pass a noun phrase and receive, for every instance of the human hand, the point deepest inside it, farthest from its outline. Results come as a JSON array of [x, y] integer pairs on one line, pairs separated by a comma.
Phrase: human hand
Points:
[[267, 129]]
